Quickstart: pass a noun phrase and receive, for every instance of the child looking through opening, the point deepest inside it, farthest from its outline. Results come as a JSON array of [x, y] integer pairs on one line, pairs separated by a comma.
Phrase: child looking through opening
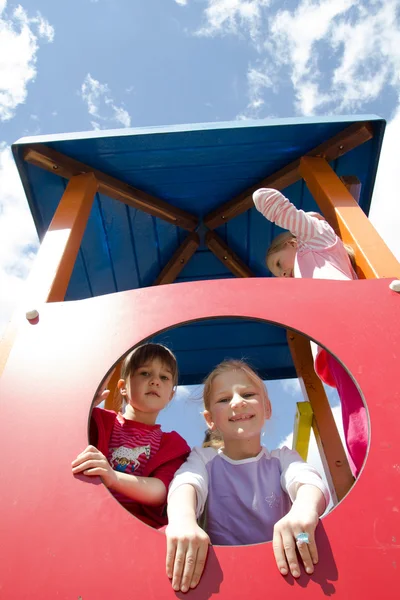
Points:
[[130, 453], [249, 495], [311, 248]]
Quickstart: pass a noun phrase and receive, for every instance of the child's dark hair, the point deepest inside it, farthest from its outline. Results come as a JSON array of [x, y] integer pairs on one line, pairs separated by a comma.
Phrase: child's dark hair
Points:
[[146, 353]]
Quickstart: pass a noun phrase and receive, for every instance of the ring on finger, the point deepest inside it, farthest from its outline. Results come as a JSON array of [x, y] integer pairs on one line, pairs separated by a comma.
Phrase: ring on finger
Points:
[[303, 537]]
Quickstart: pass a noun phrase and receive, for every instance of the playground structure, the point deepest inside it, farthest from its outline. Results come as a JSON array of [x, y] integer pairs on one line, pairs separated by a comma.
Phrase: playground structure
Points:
[[123, 214]]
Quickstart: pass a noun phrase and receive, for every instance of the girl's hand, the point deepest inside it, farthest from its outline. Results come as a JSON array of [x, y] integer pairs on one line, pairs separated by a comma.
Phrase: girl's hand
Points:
[[92, 462], [187, 547], [316, 215], [101, 397], [284, 541]]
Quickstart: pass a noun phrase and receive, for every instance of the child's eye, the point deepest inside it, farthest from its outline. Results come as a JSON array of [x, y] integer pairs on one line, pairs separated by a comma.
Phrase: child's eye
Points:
[[144, 373], [164, 377], [249, 394], [223, 400]]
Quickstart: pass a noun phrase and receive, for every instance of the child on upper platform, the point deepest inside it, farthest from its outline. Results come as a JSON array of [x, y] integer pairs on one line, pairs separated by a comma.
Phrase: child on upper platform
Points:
[[133, 457], [312, 249]]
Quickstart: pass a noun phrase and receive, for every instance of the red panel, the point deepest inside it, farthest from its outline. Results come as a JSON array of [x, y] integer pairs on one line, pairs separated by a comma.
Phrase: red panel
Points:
[[65, 538]]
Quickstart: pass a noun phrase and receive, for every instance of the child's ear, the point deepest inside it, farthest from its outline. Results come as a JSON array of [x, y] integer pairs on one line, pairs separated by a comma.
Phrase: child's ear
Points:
[[267, 408], [121, 385], [208, 419]]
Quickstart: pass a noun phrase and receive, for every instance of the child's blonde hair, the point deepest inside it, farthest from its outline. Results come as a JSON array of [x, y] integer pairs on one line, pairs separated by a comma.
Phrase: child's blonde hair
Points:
[[214, 439], [282, 239]]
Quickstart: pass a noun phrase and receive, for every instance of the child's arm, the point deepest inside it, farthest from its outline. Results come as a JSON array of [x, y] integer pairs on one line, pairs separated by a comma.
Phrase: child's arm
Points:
[[146, 490], [306, 227], [187, 543], [303, 517], [310, 497]]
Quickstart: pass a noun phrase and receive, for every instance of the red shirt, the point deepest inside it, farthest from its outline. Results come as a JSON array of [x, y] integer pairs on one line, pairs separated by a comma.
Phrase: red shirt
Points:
[[167, 452]]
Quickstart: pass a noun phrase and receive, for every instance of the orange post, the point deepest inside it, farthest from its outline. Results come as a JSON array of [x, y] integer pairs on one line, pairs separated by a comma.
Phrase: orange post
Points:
[[373, 257], [334, 459], [50, 275]]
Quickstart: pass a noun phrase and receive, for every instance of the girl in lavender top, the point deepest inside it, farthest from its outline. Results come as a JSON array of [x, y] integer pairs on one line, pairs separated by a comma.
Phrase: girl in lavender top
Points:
[[311, 248], [248, 494]]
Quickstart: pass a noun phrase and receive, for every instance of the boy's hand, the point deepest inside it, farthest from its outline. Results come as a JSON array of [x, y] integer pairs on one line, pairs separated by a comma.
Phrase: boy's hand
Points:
[[187, 547], [284, 541], [92, 462]]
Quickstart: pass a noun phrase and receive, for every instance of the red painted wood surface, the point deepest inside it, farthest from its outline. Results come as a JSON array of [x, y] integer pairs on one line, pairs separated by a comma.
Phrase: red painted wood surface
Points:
[[65, 538]]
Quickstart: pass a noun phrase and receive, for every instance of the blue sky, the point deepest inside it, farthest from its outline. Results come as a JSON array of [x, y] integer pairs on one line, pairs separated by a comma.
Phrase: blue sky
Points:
[[98, 64]]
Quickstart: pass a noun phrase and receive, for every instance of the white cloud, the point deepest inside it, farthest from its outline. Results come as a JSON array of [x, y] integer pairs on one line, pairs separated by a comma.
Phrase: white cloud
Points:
[[361, 41], [232, 16], [336, 55], [101, 105], [19, 240], [181, 2], [19, 44], [291, 387], [258, 80]]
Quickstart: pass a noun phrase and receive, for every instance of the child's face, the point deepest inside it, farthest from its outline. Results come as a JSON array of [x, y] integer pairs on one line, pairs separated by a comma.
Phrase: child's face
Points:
[[150, 387], [281, 263], [238, 407]]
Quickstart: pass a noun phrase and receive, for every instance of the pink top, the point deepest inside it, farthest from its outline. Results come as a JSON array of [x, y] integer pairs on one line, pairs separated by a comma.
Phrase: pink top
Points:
[[320, 252], [131, 445]]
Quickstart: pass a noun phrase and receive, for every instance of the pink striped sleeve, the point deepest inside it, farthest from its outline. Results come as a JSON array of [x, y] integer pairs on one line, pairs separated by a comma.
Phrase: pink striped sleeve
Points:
[[309, 230]]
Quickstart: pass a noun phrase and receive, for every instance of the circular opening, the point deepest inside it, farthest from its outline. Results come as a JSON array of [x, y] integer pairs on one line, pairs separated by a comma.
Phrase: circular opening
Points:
[[268, 348]]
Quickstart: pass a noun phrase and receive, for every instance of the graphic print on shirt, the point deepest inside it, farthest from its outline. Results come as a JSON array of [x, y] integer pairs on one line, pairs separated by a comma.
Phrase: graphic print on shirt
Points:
[[125, 459]]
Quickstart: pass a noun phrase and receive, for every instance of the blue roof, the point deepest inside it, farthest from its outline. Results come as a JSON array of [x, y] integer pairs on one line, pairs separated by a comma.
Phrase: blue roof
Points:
[[195, 168]]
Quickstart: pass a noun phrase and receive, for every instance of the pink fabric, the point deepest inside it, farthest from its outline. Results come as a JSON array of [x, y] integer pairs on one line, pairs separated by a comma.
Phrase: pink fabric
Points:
[[131, 445], [354, 414], [172, 453], [322, 255]]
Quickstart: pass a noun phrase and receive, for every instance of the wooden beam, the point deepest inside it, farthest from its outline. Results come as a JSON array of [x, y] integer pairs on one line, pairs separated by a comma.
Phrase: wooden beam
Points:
[[65, 166], [334, 459], [52, 269], [352, 185], [343, 142], [373, 257], [227, 256], [179, 260]]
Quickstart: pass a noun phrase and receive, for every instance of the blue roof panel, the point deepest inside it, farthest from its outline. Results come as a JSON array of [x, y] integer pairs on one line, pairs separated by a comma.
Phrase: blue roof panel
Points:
[[195, 168]]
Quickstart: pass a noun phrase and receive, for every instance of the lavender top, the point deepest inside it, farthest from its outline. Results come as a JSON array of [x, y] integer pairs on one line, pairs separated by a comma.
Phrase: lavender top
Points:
[[245, 498]]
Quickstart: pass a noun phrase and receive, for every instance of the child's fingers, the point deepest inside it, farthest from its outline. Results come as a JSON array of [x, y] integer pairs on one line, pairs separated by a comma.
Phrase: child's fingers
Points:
[[171, 550], [190, 563], [90, 450], [200, 564], [313, 548], [89, 453], [279, 553], [304, 551], [88, 464], [289, 546], [100, 471], [179, 564]]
